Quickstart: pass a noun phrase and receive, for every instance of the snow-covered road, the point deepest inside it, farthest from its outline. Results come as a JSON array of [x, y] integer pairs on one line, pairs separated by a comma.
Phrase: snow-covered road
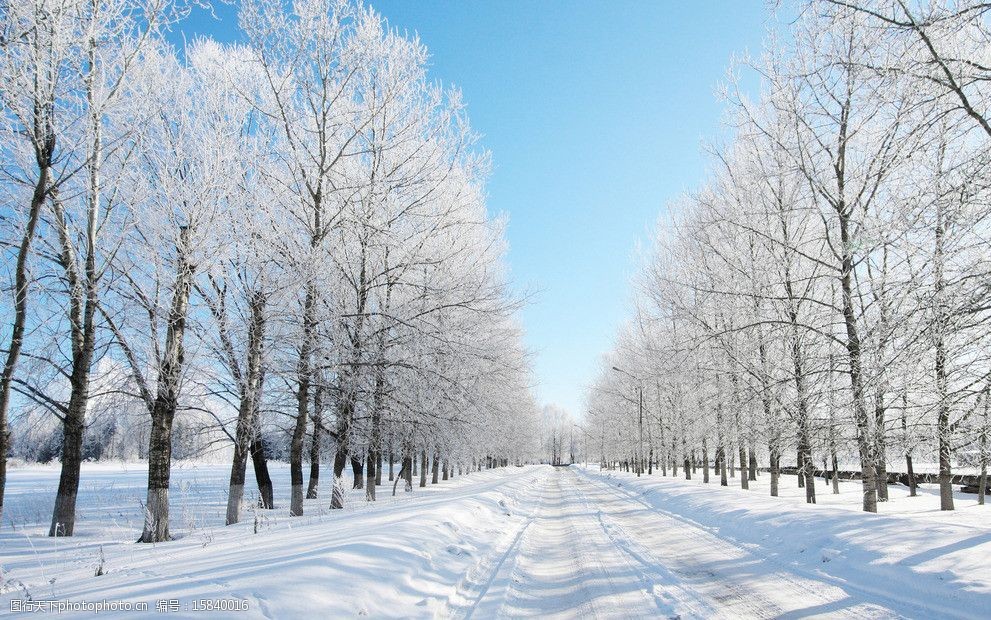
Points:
[[562, 564], [592, 550], [535, 541]]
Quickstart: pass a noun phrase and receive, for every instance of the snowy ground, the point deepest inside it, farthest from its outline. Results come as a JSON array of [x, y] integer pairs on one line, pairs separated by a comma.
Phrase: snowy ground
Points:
[[533, 541]]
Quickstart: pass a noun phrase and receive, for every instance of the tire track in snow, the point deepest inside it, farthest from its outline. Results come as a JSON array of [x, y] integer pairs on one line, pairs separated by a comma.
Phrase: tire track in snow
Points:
[[565, 566], [865, 600], [742, 601], [519, 580], [658, 582], [480, 578]]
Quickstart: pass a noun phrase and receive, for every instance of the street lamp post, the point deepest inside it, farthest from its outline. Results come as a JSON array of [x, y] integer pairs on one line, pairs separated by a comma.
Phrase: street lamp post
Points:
[[584, 431], [572, 443], [640, 408]]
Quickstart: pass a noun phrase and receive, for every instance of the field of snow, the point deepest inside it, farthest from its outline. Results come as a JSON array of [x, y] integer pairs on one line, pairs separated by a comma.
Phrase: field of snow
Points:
[[399, 556], [532, 541]]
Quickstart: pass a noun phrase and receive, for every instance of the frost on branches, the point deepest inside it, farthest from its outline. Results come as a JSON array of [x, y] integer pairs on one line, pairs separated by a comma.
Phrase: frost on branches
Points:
[[243, 252], [822, 300]]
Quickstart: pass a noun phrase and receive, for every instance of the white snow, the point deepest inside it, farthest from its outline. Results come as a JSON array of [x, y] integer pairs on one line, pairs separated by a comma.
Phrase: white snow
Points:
[[756, 555], [533, 541]]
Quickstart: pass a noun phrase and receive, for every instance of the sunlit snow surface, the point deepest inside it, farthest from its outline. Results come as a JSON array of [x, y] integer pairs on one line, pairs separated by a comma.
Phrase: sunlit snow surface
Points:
[[533, 541]]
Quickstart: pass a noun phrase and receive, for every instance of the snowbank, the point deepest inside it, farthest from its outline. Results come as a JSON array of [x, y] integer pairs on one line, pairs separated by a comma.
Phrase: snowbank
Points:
[[398, 557], [913, 556]]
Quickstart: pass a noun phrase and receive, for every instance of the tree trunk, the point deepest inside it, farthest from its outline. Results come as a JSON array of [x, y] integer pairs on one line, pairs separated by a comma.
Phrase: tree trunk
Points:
[[867, 472], [423, 467], [769, 411], [800, 462], [345, 412], [808, 472], [266, 491], [836, 474], [82, 288], [806, 465], [304, 378], [983, 453], [674, 455], [775, 466], [359, 474], [402, 476], [314, 483], [340, 462], [405, 470], [375, 440], [943, 430], [880, 456], [408, 463], [374, 475], [945, 468], [156, 528], [908, 450], [82, 339], [64, 515], [720, 442], [663, 458], [435, 469], [705, 460], [982, 479], [81, 312], [740, 445], [744, 474], [911, 475], [235, 493], [246, 423]]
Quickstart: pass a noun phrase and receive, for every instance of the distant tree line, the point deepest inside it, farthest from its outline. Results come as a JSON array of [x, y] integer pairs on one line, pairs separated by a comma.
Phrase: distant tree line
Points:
[[269, 248], [826, 294]]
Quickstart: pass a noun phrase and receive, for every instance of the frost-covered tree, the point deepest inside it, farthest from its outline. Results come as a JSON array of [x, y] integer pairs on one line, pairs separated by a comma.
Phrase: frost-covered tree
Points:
[[823, 283], [254, 244]]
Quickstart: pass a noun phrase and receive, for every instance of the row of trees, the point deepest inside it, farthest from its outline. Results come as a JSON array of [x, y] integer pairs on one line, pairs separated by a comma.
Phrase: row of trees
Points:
[[280, 239], [826, 292], [558, 436]]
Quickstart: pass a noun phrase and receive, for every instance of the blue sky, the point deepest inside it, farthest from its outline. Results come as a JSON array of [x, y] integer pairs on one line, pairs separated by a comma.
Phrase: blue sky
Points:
[[594, 113]]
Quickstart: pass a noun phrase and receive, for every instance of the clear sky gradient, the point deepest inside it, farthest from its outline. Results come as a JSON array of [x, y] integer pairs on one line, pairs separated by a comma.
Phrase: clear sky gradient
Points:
[[594, 113]]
